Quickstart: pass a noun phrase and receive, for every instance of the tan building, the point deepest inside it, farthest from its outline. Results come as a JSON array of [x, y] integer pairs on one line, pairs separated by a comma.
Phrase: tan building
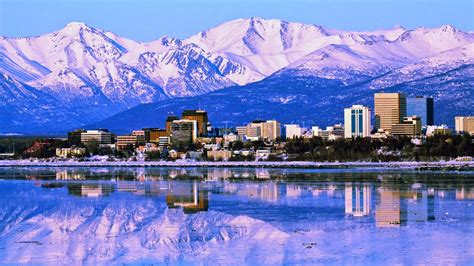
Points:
[[464, 124], [219, 155], [200, 117], [390, 109], [261, 129], [153, 134], [410, 126], [125, 141]]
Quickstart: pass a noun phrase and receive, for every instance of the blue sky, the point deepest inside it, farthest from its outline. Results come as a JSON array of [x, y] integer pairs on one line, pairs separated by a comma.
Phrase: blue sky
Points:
[[145, 20]]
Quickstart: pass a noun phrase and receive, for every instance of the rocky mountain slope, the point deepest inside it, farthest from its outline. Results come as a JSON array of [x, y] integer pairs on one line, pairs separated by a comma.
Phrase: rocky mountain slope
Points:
[[83, 75]]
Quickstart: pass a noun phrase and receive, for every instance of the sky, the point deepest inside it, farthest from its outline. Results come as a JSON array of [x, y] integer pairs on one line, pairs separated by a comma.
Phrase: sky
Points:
[[146, 20]]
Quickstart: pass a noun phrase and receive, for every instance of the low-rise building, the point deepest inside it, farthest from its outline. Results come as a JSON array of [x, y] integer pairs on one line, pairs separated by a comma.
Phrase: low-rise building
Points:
[[70, 152], [411, 126], [437, 130], [99, 136], [223, 155], [126, 141]]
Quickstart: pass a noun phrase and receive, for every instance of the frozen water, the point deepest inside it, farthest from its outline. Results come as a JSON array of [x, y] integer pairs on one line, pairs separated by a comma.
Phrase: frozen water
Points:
[[235, 216]]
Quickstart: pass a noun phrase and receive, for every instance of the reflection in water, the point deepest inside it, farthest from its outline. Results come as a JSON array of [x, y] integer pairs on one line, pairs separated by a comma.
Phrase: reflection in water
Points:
[[187, 196], [234, 216], [358, 199], [90, 190], [390, 211], [464, 193]]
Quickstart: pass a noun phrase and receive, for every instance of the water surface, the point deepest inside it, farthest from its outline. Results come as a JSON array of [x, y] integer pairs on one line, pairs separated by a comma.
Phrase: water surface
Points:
[[235, 216]]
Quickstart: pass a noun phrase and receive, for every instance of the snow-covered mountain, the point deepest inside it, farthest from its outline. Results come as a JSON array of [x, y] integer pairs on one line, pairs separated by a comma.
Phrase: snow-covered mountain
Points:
[[95, 73]]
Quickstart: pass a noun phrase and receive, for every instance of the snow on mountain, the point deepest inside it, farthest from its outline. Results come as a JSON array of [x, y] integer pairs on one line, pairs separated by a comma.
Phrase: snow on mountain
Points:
[[87, 67], [431, 66]]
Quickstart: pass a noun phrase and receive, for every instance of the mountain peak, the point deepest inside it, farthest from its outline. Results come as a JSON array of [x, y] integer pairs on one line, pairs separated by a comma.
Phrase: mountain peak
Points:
[[75, 25], [448, 28]]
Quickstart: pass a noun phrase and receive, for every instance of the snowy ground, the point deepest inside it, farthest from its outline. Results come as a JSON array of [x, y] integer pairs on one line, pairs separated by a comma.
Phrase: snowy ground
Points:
[[270, 223], [287, 164]]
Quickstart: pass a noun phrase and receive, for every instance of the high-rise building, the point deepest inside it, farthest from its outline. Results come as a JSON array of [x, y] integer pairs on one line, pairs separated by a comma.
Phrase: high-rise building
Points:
[[291, 131], [169, 120], [464, 124], [410, 126], [357, 122], [183, 131], [390, 109], [99, 136], [261, 129], [200, 117], [422, 107]]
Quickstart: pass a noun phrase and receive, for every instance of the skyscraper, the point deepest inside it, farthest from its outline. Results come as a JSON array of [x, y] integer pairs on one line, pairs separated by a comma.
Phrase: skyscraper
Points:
[[422, 107], [390, 109], [357, 121], [200, 117]]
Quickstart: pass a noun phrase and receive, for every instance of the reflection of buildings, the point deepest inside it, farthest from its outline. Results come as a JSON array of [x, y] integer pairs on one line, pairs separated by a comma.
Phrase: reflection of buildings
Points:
[[65, 175], [267, 191], [397, 207], [464, 193], [218, 173], [358, 199], [420, 206], [389, 212], [187, 196], [90, 190]]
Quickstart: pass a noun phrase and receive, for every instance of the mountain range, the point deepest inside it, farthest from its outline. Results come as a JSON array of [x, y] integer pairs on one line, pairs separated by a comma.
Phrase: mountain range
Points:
[[244, 69]]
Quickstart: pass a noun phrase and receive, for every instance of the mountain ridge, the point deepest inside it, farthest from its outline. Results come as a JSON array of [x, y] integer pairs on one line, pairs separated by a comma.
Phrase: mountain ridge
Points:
[[96, 73]]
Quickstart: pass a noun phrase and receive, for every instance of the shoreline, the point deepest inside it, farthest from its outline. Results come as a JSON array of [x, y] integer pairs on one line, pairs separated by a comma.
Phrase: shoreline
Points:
[[450, 165]]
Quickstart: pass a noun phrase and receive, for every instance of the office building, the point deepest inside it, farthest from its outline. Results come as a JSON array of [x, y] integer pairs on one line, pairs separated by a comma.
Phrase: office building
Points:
[[357, 122], [422, 107], [74, 137], [291, 131], [315, 131], [267, 130], [99, 136], [169, 120], [437, 130], [153, 134], [464, 124], [183, 132], [241, 130], [126, 142], [200, 117], [390, 109], [410, 126]]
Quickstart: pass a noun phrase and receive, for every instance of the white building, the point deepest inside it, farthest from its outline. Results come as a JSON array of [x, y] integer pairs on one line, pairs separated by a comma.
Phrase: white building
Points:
[[292, 131], [315, 131], [434, 130], [357, 122], [96, 136]]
